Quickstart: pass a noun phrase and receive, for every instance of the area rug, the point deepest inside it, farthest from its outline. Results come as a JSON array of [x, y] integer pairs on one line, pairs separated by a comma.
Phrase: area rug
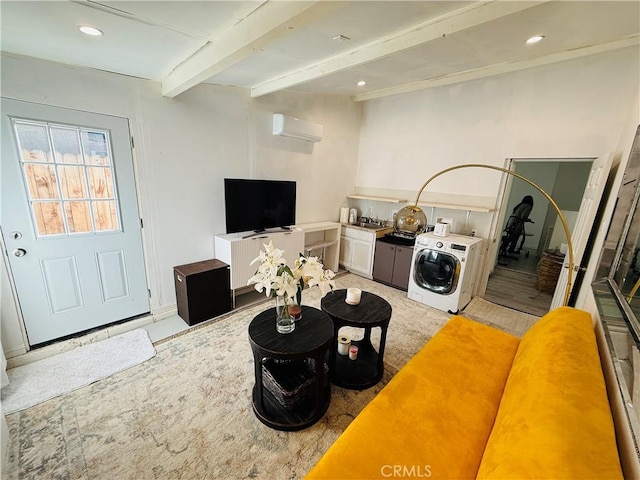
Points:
[[187, 414], [506, 319], [39, 381]]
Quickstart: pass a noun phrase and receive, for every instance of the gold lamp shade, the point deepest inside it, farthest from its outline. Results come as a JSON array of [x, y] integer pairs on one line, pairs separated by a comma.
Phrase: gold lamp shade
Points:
[[411, 219]]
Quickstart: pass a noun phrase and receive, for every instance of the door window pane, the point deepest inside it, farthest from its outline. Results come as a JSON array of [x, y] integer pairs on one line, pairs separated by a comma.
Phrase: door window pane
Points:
[[77, 178], [100, 182], [48, 217], [73, 183], [78, 217], [41, 180], [96, 149], [34, 142], [105, 215], [66, 144]]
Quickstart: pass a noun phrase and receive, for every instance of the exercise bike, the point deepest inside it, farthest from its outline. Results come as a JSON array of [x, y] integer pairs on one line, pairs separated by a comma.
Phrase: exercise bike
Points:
[[513, 232]]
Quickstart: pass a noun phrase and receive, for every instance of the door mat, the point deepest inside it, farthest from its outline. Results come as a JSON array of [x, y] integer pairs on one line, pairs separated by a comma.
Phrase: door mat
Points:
[[54, 376]]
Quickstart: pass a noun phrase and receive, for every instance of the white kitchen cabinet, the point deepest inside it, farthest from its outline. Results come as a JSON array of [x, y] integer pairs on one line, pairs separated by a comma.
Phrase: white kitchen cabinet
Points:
[[356, 250], [362, 257], [345, 251]]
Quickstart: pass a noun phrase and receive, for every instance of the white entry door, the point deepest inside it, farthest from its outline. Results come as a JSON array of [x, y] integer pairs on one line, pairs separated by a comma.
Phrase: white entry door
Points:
[[70, 219], [584, 223]]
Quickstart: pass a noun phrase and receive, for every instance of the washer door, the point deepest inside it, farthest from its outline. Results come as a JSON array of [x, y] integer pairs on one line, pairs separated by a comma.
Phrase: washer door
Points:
[[436, 271]]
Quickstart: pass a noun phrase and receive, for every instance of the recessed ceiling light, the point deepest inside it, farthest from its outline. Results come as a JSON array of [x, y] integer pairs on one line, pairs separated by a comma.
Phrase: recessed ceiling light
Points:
[[535, 39], [87, 30], [361, 83]]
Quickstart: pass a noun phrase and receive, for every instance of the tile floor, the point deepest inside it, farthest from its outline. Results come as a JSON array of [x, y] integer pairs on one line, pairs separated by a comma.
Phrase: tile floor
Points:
[[172, 325], [166, 328]]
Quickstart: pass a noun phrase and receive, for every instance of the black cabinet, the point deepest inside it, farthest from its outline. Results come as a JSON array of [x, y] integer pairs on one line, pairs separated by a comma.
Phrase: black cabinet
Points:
[[383, 262], [392, 264], [402, 267], [202, 290]]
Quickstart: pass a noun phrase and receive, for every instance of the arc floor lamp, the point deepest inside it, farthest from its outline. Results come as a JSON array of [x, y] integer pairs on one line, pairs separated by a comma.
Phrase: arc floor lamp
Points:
[[412, 216]]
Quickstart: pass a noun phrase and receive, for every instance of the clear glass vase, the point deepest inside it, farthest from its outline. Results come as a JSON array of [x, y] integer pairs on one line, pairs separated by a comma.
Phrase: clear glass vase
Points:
[[285, 323]]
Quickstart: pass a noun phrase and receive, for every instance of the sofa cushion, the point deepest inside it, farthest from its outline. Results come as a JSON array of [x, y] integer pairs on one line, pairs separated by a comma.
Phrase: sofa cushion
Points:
[[434, 417], [554, 419]]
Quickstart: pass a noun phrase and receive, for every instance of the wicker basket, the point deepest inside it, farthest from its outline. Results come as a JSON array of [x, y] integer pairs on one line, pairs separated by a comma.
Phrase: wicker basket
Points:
[[549, 268], [290, 381]]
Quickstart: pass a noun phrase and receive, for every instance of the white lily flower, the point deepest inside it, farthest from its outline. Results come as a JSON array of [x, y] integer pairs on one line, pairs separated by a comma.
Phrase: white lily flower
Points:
[[270, 255], [275, 278], [261, 284], [285, 285]]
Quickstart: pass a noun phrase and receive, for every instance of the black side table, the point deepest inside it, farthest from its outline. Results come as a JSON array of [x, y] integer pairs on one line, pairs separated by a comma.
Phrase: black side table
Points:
[[372, 311], [292, 390]]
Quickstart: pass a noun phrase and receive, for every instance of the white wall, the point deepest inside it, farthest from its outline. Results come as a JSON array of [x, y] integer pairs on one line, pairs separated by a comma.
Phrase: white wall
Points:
[[567, 110], [184, 147], [574, 109], [325, 171]]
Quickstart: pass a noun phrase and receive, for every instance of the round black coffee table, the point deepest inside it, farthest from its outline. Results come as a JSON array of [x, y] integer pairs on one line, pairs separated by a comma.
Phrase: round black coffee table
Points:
[[372, 311], [292, 390]]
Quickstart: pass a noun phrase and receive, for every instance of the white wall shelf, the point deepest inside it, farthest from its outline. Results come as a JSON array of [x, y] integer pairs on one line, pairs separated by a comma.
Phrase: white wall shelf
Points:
[[376, 198], [451, 206]]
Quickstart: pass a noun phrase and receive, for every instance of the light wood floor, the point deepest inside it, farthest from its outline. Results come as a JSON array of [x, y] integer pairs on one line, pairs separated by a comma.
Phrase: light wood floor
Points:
[[517, 290], [520, 263]]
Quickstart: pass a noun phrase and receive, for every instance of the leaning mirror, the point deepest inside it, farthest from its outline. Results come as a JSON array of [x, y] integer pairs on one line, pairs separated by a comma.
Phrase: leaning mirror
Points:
[[616, 290]]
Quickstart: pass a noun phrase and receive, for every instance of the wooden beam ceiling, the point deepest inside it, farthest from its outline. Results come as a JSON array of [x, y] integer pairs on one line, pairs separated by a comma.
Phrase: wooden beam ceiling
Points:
[[262, 26], [498, 69], [456, 21]]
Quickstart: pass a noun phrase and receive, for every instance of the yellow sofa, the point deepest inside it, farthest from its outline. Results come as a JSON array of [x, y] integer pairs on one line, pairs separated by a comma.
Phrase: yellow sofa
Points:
[[476, 402]]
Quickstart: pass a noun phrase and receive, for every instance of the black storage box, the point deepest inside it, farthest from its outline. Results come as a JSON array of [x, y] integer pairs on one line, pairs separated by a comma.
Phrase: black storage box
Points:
[[202, 290], [290, 381]]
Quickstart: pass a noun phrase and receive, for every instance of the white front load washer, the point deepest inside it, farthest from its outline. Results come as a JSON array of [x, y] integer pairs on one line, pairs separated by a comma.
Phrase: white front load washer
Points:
[[443, 270]]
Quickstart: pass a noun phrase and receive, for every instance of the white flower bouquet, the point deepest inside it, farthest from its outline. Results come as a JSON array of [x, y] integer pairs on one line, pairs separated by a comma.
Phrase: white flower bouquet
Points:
[[277, 279]]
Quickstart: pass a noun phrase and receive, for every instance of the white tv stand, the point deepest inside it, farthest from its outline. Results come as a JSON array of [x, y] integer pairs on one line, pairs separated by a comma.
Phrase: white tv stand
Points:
[[239, 249], [265, 232]]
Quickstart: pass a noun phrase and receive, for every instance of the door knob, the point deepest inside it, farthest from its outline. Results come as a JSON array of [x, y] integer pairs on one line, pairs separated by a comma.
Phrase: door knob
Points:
[[19, 252]]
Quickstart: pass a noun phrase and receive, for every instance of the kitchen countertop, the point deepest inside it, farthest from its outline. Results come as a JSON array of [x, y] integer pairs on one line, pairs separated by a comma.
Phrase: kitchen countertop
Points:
[[378, 230]]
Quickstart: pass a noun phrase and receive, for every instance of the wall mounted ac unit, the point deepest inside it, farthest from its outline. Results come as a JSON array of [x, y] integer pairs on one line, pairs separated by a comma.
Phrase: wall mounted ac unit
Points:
[[295, 128]]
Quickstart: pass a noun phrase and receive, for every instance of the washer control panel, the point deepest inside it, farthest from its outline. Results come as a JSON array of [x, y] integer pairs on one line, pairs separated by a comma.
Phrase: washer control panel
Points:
[[449, 245]]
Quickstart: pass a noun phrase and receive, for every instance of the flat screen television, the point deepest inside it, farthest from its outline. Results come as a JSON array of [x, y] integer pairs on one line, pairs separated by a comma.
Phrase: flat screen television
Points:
[[259, 204]]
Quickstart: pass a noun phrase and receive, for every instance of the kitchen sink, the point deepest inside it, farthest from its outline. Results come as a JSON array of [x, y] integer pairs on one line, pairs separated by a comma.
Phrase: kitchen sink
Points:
[[372, 226]]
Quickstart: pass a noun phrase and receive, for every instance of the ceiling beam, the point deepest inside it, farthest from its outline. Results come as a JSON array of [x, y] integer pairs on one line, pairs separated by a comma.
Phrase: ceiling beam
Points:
[[264, 25], [500, 68], [462, 19]]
